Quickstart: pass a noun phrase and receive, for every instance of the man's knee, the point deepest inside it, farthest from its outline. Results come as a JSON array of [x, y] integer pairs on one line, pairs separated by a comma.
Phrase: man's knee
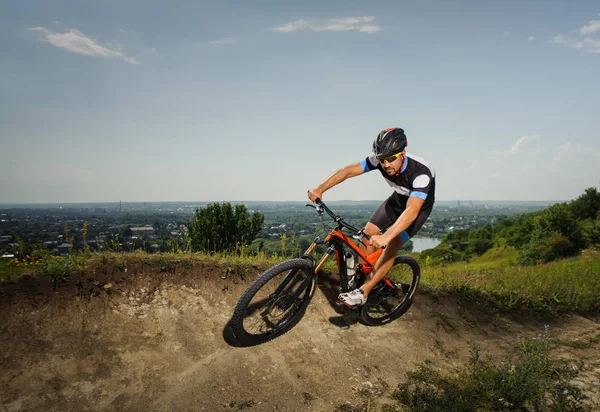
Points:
[[372, 229]]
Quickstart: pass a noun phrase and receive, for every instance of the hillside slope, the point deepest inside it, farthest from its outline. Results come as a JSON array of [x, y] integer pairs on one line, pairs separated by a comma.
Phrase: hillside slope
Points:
[[156, 339]]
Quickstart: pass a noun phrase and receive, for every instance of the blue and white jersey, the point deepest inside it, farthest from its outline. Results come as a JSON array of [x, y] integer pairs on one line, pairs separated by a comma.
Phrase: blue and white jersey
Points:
[[416, 178]]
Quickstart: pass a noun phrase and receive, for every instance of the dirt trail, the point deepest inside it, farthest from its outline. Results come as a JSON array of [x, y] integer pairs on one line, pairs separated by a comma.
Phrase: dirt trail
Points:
[[151, 341]]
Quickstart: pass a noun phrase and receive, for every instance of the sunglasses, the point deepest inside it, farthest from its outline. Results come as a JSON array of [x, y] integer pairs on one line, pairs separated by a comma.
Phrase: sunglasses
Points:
[[389, 159]]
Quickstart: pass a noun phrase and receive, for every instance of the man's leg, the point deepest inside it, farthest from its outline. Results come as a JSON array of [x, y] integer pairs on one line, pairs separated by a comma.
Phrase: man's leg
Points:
[[386, 260], [370, 229], [380, 269], [383, 265], [385, 215]]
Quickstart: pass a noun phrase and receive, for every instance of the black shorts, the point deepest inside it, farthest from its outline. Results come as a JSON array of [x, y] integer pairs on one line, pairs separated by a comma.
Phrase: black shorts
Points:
[[389, 211]]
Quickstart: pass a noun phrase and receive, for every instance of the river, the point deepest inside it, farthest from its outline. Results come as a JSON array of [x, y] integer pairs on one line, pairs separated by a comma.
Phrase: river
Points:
[[422, 243]]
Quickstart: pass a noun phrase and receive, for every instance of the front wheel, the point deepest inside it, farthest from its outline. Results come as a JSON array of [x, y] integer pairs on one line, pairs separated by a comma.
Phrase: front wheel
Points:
[[390, 300], [274, 302]]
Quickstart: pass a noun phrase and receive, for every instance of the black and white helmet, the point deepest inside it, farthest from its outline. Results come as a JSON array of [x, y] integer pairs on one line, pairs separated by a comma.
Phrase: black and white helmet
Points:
[[389, 142]]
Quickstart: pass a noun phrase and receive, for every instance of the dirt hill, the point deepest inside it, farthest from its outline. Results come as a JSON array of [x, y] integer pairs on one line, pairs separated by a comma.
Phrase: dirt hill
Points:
[[156, 339]]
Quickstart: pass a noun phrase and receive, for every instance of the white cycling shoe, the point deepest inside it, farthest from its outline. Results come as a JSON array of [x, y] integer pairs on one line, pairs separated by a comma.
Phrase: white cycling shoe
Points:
[[353, 298]]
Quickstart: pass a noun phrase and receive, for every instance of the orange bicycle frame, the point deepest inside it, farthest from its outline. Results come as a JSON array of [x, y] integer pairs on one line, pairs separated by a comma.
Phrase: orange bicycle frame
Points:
[[336, 235]]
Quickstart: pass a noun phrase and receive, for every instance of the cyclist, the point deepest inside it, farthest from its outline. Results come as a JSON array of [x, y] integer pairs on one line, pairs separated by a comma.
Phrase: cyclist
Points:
[[401, 215]]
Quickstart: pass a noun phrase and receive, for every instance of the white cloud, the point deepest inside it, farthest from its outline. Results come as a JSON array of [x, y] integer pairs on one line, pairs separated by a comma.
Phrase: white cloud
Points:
[[353, 20], [531, 38], [560, 39], [521, 143], [369, 29], [227, 40], [495, 159], [40, 30], [76, 42], [292, 26], [592, 27], [570, 151], [583, 39], [335, 24], [594, 44]]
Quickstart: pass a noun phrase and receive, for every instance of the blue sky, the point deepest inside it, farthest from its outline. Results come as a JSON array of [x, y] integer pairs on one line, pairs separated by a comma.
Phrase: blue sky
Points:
[[262, 100]]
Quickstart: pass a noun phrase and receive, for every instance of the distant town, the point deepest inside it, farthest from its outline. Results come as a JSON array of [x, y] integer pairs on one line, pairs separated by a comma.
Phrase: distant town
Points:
[[162, 226]]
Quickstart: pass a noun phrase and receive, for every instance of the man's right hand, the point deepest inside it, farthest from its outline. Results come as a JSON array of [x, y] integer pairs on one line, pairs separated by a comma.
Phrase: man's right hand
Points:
[[314, 194]]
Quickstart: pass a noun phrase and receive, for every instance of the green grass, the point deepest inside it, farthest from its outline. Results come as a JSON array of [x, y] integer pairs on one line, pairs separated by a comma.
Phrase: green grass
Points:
[[60, 268], [567, 285]]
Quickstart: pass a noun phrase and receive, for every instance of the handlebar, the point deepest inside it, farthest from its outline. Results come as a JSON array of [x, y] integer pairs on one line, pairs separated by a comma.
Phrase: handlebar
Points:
[[337, 218]]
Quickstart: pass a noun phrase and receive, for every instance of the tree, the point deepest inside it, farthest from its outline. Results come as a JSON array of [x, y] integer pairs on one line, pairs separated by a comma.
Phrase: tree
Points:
[[481, 240], [158, 226], [221, 227], [587, 205]]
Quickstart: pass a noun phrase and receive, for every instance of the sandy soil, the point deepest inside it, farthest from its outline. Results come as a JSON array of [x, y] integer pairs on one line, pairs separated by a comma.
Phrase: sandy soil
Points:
[[148, 340]]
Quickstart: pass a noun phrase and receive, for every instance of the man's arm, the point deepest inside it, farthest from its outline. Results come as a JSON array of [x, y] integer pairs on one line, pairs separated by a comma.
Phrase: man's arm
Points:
[[337, 177]]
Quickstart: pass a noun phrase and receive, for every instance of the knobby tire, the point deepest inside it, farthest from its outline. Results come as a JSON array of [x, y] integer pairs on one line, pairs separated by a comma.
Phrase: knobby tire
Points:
[[401, 296], [267, 309]]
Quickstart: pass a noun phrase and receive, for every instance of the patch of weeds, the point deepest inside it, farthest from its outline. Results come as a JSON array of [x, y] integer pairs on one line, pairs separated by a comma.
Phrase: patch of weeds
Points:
[[122, 266], [241, 405], [167, 267], [246, 404], [585, 344], [308, 397], [348, 407], [443, 321], [440, 346], [187, 264], [60, 268], [526, 381]]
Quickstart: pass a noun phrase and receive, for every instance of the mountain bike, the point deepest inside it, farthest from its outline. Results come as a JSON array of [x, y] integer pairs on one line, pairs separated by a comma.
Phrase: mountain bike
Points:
[[276, 301]]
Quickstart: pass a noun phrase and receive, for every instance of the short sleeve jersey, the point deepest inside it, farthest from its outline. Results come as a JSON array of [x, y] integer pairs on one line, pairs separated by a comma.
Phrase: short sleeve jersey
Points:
[[415, 179]]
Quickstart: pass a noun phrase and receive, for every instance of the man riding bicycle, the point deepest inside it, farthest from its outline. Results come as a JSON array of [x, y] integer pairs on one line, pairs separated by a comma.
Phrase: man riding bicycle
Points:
[[401, 215]]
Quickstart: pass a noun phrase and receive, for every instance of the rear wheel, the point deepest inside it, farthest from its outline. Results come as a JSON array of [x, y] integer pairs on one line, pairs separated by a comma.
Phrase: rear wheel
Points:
[[274, 302], [388, 301]]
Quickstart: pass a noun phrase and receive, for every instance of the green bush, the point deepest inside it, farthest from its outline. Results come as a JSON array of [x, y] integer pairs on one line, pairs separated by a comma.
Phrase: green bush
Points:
[[59, 268], [556, 234], [223, 228], [591, 233]]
